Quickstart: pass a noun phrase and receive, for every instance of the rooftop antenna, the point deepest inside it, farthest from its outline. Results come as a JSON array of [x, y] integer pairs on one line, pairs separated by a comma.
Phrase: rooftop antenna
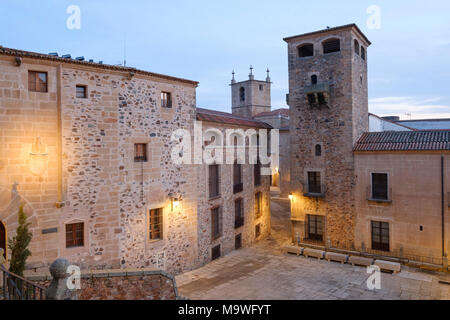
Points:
[[233, 80], [408, 114], [125, 50]]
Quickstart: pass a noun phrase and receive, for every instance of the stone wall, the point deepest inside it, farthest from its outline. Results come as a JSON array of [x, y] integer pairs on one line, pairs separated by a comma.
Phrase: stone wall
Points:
[[335, 128], [102, 186]]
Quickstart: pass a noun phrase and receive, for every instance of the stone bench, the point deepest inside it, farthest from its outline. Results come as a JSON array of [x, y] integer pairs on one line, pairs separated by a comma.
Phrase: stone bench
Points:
[[338, 257], [294, 250], [319, 254], [360, 261], [384, 265]]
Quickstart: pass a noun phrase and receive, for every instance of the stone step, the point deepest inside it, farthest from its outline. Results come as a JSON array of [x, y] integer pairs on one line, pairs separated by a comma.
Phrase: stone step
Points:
[[384, 265]]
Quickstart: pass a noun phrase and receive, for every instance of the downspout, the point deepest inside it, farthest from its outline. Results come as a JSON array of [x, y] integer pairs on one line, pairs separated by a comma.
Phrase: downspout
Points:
[[59, 203], [443, 206]]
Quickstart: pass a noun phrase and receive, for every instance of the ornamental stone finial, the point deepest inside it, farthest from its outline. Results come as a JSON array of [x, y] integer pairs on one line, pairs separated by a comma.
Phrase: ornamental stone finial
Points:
[[251, 76], [58, 289]]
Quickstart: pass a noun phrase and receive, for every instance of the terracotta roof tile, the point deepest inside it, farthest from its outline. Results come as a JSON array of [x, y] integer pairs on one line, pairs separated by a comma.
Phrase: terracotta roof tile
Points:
[[228, 118], [437, 140]]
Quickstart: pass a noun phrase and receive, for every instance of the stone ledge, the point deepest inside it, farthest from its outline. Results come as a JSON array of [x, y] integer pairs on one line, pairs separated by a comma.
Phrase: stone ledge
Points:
[[294, 250], [395, 267]]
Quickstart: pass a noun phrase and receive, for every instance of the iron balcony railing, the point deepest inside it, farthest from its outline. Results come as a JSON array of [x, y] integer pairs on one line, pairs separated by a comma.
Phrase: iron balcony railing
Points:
[[14, 287]]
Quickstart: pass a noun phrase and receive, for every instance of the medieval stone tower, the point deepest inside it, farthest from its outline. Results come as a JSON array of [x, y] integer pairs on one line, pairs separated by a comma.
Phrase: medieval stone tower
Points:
[[329, 111], [250, 97]]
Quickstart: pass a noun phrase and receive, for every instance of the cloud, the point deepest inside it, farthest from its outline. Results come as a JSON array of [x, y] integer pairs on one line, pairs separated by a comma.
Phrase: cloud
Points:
[[419, 108]]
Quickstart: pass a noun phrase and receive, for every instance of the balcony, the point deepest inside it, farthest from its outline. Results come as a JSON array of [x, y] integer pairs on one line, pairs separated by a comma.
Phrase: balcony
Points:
[[317, 88]]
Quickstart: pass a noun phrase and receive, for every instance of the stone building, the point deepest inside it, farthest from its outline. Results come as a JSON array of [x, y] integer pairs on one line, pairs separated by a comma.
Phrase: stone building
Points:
[[382, 192], [86, 148]]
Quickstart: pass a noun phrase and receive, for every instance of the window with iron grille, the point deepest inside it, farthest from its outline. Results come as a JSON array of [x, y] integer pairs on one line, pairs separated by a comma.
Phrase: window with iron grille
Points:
[[314, 182], [216, 223], [214, 181], [238, 241], [380, 186], [318, 150], [37, 81], [155, 224], [238, 213], [74, 235], [81, 91], [215, 252], [332, 45], [257, 230], [140, 152], [315, 227], [380, 236], [257, 173], [306, 50], [258, 204], [166, 99], [238, 186]]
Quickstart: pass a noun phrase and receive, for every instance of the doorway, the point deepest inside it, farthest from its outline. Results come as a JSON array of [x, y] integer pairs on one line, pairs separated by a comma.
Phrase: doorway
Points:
[[3, 238]]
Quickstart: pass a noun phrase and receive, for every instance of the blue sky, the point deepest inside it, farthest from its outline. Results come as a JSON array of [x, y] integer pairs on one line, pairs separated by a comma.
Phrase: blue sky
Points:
[[409, 67]]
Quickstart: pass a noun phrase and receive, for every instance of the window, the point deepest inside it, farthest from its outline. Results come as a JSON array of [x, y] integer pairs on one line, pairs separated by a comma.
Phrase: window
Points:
[[238, 241], [314, 79], [166, 99], [214, 185], [216, 223], [311, 98], [81, 92], [215, 252], [332, 45], [242, 94], [261, 87], [306, 50], [238, 186], [356, 47], [140, 152], [258, 205], [257, 230], [37, 81], [155, 224], [321, 98], [318, 150], [75, 235], [238, 213], [380, 186], [363, 53], [257, 173], [314, 182], [380, 236], [315, 228]]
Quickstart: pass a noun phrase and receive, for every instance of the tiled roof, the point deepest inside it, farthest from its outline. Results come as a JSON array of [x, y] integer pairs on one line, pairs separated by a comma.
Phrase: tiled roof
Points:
[[35, 55], [228, 118], [278, 112], [404, 141]]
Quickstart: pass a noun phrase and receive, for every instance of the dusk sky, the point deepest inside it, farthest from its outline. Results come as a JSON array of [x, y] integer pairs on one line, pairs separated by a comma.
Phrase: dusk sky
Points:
[[409, 68]]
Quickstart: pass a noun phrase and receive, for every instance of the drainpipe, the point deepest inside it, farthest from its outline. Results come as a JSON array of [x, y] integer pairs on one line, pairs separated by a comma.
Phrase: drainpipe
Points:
[[445, 263], [59, 203]]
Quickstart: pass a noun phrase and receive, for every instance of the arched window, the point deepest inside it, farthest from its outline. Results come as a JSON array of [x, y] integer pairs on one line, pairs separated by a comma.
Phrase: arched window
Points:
[[331, 45], [314, 79], [306, 50], [363, 53], [356, 45], [242, 94], [318, 150]]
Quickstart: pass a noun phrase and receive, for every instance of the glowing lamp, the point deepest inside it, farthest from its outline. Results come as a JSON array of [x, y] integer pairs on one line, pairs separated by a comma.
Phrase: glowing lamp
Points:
[[38, 156], [291, 196]]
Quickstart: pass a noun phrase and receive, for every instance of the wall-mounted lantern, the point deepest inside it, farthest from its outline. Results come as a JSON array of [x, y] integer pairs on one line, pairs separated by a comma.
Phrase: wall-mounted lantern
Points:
[[175, 201], [291, 196], [38, 157]]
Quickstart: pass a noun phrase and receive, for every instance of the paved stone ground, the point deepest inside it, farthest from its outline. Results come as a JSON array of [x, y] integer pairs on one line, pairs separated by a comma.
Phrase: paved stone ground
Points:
[[263, 272]]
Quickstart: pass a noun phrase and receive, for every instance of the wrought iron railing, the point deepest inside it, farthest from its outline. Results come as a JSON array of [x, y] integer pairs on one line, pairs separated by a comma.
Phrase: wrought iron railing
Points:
[[14, 287]]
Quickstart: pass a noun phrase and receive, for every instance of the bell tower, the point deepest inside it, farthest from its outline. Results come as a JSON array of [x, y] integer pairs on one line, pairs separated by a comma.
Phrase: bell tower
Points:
[[328, 101], [250, 97]]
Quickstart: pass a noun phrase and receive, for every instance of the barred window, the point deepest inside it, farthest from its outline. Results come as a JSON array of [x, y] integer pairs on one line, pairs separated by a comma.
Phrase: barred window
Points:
[[258, 204], [216, 223], [81, 92], [140, 152], [166, 99], [238, 213], [74, 235], [238, 186], [215, 252], [331, 45], [314, 182], [37, 81], [380, 186], [315, 227], [155, 224], [380, 235], [214, 181]]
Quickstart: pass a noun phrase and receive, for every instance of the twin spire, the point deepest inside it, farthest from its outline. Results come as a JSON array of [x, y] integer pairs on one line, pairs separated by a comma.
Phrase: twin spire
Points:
[[250, 76]]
